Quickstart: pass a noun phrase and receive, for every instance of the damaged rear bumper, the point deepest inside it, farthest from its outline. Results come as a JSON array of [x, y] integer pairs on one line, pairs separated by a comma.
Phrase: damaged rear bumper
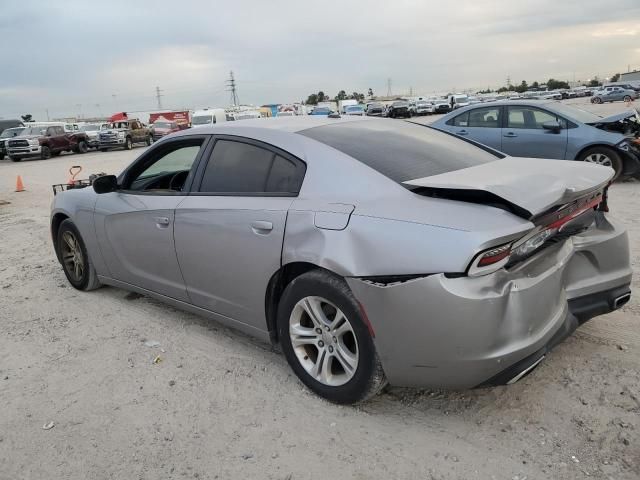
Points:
[[436, 331]]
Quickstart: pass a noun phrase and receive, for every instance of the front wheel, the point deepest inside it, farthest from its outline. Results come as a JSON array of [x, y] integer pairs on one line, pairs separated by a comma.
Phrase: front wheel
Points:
[[45, 153], [627, 99], [149, 141], [326, 340], [128, 144], [603, 156], [74, 258]]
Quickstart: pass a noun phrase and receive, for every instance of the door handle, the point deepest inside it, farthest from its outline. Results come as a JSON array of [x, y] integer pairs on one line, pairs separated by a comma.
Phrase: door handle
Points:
[[162, 222], [462, 132], [261, 227], [510, 135]]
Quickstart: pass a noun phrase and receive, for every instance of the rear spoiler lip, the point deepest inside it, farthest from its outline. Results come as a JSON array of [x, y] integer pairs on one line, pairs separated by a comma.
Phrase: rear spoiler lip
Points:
[[483, 197]]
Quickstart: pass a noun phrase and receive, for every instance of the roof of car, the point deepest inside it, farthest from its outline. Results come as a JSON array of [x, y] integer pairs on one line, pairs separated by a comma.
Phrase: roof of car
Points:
[[292, 124]]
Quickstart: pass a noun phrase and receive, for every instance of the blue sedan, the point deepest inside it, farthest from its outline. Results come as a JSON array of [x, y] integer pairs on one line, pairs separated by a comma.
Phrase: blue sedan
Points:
[[550, 129]]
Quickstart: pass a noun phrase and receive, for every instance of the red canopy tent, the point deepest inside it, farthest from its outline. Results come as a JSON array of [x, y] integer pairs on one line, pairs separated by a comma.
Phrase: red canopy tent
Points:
[[118, 116]]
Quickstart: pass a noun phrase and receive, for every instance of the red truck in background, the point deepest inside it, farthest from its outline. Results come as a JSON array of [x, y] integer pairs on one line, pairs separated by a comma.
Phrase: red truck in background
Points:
[[164, 123]]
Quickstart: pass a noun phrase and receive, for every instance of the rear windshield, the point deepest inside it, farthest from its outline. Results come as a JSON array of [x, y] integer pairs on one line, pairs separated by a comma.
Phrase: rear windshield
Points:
[[401, 150]]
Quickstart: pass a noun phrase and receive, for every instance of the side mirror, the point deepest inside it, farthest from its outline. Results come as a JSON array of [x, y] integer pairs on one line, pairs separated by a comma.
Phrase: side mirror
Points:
[[554, 126], [105, 184]]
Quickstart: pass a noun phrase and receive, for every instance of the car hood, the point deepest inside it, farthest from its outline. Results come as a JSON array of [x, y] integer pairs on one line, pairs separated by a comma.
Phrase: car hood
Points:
[[114, 130], [530, 185], [24, 137], [616, 118]]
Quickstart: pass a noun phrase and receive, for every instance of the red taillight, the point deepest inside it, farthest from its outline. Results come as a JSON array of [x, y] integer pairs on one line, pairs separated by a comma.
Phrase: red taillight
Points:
[[494, 255]]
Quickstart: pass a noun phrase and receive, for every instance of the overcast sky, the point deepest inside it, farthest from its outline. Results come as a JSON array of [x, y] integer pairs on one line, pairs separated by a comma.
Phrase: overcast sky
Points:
[[93, 57]]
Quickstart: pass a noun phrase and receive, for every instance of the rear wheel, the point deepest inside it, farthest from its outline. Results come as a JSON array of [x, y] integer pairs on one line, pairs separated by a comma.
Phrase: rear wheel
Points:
[[627, 99], [149, 141], [603, 156], [326, 340], [82, 147], [74, 258], [45, 153]]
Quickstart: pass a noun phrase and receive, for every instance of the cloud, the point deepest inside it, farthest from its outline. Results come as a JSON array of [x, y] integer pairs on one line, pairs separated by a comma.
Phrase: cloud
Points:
[[110, 57]]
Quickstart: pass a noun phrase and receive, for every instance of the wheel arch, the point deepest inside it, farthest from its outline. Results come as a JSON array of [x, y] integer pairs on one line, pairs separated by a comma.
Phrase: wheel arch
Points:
[[56, 221], [593, 145], [275, 288]]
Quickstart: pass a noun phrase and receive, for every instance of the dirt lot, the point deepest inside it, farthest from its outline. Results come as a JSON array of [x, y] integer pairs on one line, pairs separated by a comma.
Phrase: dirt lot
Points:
[[220, 405]]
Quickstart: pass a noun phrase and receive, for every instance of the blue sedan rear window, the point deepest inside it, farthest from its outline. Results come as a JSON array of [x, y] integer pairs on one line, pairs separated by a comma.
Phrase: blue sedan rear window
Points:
[[402, 150]]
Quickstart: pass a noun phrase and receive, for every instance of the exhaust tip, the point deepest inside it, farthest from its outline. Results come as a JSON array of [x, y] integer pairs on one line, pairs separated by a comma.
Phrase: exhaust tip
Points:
[[621, 300]]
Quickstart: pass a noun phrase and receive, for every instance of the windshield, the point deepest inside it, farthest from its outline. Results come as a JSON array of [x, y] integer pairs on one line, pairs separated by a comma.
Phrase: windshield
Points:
[[575, 113], [11, 132], [202, 120], [355, 108], [285, 114], [89, 128], [321, 110], [422, 103], [461, 99], [162, 125], [34, 131], [417, 151]]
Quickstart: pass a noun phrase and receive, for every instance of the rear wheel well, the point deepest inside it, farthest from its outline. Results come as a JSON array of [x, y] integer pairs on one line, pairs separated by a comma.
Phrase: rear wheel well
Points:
[[278, 282], [57, 219]]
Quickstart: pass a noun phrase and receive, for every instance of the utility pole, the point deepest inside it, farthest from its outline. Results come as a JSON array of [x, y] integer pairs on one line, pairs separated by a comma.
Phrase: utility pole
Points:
[[158, 96], [388, 87], [47, 110], [231, 83], [411, 91]]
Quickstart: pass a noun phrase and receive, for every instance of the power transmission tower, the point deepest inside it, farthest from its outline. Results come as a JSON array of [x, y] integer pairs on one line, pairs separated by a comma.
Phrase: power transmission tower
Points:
[[411, 91], [158, 96], [231, 83], [508, 81], [388, 87]]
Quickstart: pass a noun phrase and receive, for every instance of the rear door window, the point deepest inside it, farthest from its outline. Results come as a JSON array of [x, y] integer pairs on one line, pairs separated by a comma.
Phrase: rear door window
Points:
[[237, 167], [484, 117], [461, 120]]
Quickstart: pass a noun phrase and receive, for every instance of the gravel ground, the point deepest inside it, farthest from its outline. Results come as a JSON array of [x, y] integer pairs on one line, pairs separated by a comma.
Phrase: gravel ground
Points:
[[218, 404]]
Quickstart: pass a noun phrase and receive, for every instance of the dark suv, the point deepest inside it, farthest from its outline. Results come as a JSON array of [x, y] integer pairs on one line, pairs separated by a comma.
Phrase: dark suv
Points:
[[399, 109]]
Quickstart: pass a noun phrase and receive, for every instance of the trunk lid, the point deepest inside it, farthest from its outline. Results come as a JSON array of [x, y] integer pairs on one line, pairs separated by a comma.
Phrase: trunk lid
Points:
[[527, 187]]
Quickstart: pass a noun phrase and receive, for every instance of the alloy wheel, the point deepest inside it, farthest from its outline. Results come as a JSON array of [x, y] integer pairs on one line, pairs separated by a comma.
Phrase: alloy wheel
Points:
[[600, 159], [72, 257], [323, 340]]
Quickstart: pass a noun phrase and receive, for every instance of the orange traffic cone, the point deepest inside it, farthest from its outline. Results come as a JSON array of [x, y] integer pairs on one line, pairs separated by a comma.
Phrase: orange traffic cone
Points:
[[19, 185]]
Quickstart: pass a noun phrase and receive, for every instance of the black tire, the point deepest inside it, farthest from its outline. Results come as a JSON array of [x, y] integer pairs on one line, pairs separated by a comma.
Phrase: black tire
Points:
[[14, 159], [616, 161], [1, 156], [368, 378], [103, 149], [82, 147], [88, 280], [45, 152], [149, 141], [626, 98], [597, 100], [128, 145]]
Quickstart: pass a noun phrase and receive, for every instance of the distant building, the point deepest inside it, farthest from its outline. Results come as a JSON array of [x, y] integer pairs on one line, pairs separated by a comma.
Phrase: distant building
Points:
[[630, 76]]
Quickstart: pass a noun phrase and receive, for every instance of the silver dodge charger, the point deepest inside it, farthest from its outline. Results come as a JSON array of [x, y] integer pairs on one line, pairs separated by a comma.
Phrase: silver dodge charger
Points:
[[372, 251]]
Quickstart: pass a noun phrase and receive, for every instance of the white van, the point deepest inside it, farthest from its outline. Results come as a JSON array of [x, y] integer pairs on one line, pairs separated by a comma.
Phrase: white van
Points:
[[458, 101], [208, 116]]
